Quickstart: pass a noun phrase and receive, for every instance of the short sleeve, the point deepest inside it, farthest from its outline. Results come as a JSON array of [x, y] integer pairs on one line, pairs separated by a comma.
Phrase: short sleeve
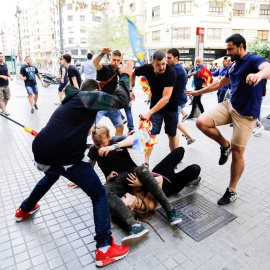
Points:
[[71, 72], [258, 60], [36, 70], [140, 71], [227, 70], [170, 79]]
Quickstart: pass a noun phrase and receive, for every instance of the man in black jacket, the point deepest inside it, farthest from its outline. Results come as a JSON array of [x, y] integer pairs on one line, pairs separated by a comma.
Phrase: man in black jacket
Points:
[[59, 150]]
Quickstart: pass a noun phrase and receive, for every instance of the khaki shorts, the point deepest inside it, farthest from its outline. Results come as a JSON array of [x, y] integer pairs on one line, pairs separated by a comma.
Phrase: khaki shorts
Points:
[[224, 114], [4, 93]]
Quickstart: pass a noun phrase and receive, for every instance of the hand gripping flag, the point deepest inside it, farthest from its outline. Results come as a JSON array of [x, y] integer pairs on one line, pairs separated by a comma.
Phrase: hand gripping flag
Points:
[[27, 129], [204, 73], [144, 82], [143, 140]]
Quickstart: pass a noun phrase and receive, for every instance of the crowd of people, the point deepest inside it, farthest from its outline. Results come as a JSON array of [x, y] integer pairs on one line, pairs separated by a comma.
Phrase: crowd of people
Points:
[[132, 191]]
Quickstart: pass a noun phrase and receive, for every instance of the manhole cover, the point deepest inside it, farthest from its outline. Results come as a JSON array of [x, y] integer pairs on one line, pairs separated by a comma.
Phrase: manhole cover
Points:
[[200, 217]]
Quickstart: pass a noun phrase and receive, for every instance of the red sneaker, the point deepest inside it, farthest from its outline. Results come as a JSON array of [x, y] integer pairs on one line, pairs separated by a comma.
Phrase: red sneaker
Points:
[[114, 253], [20, 215]]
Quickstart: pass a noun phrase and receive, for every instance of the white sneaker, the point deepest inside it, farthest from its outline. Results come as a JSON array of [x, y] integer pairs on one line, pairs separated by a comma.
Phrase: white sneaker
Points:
[[258, 131]]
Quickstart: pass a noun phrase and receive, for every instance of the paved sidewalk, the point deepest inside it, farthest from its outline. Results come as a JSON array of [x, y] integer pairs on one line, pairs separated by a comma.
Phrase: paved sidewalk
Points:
[[60, 235]]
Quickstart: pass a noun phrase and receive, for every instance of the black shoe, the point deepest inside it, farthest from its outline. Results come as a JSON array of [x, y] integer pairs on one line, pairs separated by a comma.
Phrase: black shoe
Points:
[[36, 107], [32, 110], [224, 154], [228, 197], [231, 125], [268, 117], [191, 116], [131, 132], [136, 233]]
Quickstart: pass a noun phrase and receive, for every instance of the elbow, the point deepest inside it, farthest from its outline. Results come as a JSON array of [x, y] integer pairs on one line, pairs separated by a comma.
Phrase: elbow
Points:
[[166, 100]]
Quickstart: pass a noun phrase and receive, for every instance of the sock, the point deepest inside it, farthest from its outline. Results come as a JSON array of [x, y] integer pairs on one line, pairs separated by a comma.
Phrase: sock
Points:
[[136, 225], [104, 249]]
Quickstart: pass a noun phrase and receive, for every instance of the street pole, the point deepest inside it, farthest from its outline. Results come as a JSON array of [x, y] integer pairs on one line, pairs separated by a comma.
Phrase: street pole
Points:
[[61, 29], [18, 12]]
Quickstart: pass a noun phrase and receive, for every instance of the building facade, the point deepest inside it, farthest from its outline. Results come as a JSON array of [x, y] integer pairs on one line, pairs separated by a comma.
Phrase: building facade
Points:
[[173, 24]]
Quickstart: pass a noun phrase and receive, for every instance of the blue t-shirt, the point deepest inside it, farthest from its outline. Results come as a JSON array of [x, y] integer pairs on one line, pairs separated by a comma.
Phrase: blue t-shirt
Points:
[[246, 99], [198, 82], [221, 72], [30, 73], [180, 84]]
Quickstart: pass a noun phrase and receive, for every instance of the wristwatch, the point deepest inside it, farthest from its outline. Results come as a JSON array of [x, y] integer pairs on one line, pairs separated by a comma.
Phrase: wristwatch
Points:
[[117, 147]]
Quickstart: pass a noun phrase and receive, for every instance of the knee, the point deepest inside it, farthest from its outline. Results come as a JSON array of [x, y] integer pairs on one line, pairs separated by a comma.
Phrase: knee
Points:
[[237, 152], [196, 169], [199, 123], [178, 151], [120, 128]]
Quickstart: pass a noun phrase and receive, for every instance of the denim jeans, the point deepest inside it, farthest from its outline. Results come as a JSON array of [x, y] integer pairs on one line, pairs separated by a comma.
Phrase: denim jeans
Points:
[[221, 95], [82, 174], [128, 112]]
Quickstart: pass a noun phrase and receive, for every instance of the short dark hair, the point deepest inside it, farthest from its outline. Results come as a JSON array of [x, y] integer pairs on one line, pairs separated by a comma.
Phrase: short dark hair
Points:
[[225, 57], [174, 52], [90, 85], [67, 57], [60, 58], [237, 40], [158, 55], [116, 53], [89, 56]]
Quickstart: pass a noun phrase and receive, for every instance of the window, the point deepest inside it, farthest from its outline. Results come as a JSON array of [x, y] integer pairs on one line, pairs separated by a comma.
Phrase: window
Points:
[[74, 52], [70, 18], [215, 8], [238, 31], [69, 6], [181, 7], [70, 30], [83, 40], [71, 41], [263, 34], [121, 10], [156, 36], [96, 19], [82, 18], [264, 10], [83, 52], [214, 33], [182, 33], [82, 29], [239, 9], [155, 12]]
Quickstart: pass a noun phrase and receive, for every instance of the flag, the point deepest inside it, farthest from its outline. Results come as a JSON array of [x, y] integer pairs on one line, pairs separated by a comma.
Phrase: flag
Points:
[[144, 83], [204, 73], [136, 41]]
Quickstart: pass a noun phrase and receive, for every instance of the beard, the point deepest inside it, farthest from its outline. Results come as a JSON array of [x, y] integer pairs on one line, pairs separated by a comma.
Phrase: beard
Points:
[[235, 57]]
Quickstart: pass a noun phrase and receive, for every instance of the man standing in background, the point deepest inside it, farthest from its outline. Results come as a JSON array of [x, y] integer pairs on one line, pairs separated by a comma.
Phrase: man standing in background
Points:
[[88, 68], [4, 88], [64, 78], [73, 73], [28, 74]]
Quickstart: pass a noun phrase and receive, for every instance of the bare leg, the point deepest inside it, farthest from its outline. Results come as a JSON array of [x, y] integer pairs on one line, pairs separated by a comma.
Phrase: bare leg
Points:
[[61, 94], [207, 126], [36, 98], [174, 141], [237, 166], [30, 97], [183, 129], [3, 107], [5, 101], [119, 130], [147, 156], [183, 112]]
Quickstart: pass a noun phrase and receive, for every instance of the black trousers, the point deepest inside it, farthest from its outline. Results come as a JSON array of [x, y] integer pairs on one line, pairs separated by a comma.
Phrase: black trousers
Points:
[[197, 101]]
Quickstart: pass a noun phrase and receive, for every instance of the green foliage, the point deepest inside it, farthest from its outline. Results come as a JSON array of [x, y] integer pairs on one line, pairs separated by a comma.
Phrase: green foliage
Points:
[[259, 47], [111, 32]]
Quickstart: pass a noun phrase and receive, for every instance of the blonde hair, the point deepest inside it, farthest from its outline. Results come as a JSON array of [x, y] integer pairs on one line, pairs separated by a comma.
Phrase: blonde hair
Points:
[[100, 132]]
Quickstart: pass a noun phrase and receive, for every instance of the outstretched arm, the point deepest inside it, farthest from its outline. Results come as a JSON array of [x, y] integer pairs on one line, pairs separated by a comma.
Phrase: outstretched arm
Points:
[[211, 88], [264, 73]]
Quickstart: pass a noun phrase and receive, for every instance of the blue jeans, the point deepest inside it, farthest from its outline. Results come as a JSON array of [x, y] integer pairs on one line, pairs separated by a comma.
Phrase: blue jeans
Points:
[[221, 95], [128, 112], [32, 90], [114, 116], [83, 175]]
